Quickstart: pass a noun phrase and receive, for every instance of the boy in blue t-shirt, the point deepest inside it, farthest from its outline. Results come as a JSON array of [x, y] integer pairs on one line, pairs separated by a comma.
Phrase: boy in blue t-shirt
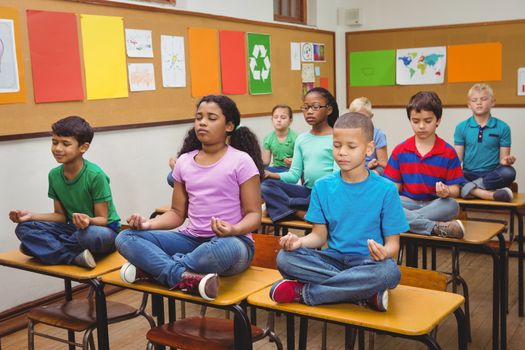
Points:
[[84, 221], [359, 215], [483, 144]]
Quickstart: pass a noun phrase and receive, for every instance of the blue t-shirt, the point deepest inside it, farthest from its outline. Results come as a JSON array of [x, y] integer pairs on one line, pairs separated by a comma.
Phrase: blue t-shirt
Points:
[[481, 145], [356, 212], [379, 141]]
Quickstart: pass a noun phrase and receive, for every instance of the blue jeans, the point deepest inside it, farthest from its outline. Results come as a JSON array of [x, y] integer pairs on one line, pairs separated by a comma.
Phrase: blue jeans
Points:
[[500, 177], [422, 215], [170, 179], [59, 243], [332, 277], [165, 255], [277, 169], [283, 199]]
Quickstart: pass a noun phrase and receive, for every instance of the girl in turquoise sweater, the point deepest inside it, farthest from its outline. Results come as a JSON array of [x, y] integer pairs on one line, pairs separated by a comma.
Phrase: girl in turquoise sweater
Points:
[[312, 159]]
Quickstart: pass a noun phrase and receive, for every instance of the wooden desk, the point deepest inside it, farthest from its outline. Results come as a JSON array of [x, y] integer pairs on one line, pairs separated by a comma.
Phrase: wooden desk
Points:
[[403, 318], [233, 292], [513, 208], [70, 273], [477, 235], [281, 227]]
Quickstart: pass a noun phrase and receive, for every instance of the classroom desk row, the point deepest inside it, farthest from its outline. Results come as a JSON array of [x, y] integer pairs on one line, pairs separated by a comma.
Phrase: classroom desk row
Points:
[[251, 287]]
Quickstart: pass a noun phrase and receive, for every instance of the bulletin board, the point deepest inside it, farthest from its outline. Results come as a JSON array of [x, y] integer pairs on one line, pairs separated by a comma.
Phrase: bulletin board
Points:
[[162, 106], [511, 35]]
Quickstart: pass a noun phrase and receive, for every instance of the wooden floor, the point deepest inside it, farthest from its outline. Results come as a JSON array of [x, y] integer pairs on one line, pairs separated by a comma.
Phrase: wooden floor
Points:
[[476, 269]]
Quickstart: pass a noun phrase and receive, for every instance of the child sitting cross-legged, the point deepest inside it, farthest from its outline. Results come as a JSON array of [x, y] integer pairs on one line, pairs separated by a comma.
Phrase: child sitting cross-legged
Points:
[[358, 214]]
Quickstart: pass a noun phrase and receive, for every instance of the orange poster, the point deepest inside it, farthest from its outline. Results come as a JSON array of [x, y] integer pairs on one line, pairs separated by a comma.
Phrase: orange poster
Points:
[[474, 62], [204, 61], [12, 83]]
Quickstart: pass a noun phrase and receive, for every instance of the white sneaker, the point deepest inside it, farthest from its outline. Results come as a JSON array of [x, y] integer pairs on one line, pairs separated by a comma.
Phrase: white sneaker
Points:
[[130, 274]]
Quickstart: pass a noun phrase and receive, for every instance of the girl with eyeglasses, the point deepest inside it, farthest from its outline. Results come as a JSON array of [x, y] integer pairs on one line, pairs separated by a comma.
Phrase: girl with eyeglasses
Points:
[[312, 159]]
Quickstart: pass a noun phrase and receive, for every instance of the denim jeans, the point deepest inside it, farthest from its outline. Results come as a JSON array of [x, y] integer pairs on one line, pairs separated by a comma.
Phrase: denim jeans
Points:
[[500, 177], [170, 179], [165, 255], [283, 199], [277, 169], [422, 215], [59, 243], [332, 277]]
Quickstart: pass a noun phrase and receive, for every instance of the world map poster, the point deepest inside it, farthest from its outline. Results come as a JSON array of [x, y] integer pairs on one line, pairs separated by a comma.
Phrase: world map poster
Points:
[[423, 65]]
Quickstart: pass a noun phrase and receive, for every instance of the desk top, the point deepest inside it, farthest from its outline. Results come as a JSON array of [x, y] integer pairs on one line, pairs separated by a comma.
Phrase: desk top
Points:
[[301, 224], [404, 315], [16, 259], [232, 289], [476, 232], [518, 201]]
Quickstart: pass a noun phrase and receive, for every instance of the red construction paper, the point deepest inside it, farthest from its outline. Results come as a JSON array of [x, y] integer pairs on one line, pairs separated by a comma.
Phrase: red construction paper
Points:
[[233, 62], [55, 56], [323, 82]]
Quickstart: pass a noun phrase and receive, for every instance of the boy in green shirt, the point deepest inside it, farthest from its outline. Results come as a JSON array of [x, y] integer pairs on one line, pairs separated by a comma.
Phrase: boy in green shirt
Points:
[[84, 221]]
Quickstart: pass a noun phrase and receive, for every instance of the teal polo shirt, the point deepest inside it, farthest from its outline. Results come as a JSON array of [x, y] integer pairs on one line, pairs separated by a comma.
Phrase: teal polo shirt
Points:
[[481, 144]]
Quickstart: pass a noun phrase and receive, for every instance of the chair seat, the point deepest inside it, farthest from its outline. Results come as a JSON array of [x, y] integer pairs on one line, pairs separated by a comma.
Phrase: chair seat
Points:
[[77, 315], [198, 333]]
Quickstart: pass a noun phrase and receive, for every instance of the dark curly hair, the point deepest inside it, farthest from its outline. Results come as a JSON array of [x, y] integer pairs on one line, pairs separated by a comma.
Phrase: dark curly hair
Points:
[[241, 137], [332, 117], [74, 126]]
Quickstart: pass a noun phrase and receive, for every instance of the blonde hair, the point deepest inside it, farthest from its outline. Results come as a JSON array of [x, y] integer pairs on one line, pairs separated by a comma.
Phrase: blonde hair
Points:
[[480, 87], [361, 103]]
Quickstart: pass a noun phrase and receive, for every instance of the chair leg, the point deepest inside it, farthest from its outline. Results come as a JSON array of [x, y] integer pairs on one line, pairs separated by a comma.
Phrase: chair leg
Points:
[[350, 337], [323, 335], [30, 335], [87, 340], [149, 346]]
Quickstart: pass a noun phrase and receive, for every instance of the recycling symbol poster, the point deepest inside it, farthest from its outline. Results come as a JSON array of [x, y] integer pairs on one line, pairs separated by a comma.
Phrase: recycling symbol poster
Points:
[[260, 81]]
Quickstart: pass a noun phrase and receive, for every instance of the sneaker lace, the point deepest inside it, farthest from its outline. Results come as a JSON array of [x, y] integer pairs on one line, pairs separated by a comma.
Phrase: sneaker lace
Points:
[[442, 229], [189, 283]]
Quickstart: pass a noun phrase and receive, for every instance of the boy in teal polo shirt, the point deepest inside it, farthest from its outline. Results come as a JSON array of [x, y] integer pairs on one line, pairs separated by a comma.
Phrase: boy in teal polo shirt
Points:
[[483, 144], [84, 221]]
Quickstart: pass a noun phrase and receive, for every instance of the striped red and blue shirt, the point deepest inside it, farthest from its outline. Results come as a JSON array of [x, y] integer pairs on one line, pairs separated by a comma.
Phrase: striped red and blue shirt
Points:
[[418, 174]]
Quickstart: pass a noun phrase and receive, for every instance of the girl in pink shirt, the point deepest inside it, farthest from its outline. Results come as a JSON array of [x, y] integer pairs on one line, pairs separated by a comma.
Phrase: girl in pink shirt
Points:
[[217, 188]]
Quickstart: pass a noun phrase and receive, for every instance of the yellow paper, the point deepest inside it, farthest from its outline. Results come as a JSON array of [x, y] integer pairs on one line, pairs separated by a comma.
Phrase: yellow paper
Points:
[[104, 56]]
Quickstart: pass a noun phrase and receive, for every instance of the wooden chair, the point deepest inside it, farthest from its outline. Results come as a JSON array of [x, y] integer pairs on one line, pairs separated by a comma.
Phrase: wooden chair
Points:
[[210, 333], [80, 316]]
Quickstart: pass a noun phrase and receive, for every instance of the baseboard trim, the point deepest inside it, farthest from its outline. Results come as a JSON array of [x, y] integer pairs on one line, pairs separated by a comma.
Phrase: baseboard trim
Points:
[[14, 319]]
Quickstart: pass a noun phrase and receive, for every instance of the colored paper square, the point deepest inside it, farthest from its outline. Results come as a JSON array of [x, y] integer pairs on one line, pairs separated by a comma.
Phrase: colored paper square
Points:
[[233, 62], [323, 82], [55, 56], [12, 84], [204, 61], [104, 50], [373, 68], [474, 62], [260, 64]]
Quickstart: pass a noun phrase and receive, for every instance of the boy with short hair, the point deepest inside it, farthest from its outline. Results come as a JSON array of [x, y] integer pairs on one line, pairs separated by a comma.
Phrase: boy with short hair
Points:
[[483, 143], [359, 215], [427, 171], [84, 221]]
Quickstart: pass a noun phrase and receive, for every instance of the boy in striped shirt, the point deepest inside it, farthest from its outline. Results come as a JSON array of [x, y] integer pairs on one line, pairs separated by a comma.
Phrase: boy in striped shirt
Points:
[[427, 172]]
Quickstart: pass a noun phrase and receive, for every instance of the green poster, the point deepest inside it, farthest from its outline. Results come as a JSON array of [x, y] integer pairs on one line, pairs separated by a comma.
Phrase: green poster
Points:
[[373, 68], [259, 64]]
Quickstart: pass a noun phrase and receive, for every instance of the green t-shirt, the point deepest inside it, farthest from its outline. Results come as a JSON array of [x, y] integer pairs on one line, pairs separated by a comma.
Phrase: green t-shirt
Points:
[[279, 150], [79, 195]]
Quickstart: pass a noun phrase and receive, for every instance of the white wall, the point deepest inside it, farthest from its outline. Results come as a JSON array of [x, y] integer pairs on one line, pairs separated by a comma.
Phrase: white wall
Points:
[[136, 160]]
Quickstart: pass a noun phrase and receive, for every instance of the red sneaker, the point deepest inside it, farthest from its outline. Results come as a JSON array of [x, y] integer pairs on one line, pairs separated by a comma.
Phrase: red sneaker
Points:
[[379, 301], [130, 273], [206, 286], [287, 291]]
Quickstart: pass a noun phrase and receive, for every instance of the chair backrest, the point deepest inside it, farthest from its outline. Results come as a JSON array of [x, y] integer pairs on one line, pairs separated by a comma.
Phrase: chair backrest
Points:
[[421, 278], [266, 249], [514, 187]]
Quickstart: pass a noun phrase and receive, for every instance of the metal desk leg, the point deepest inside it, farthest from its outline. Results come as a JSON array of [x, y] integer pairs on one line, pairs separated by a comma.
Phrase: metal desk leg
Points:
[[520, 261], [496, 287], [102, 315], [242, 331], [68, 292], [504, 291], [303, 332], [462, 329], [290, 332]]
